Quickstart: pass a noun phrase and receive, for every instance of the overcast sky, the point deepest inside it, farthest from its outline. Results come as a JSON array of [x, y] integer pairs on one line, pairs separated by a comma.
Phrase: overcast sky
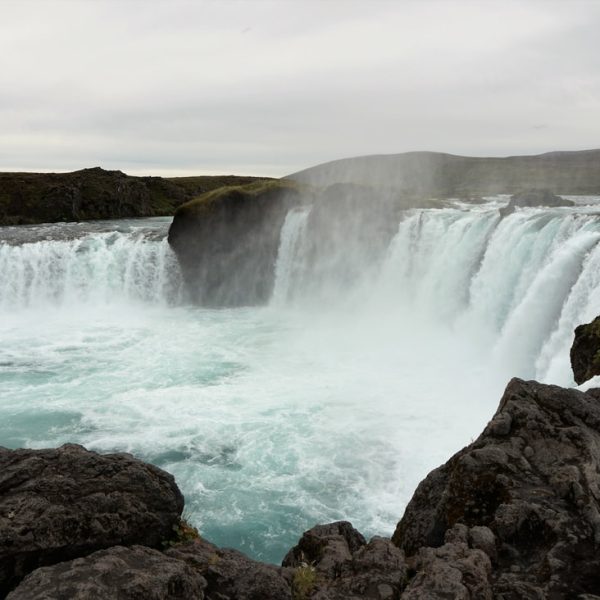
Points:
[[267, 88]]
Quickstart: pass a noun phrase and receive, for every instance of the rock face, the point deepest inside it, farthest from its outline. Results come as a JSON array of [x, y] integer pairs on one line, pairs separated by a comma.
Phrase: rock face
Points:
[[226, 242], [115, 574], [534, 198], [526, 493], [65, 503], [585, 351], [230, 575]]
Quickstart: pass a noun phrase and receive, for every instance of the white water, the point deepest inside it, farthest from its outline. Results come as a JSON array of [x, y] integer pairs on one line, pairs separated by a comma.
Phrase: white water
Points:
[[275, 418], [288, 263]]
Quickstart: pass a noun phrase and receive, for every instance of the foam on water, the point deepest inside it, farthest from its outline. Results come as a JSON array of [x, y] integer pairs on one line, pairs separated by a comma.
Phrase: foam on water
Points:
[[275, 418]]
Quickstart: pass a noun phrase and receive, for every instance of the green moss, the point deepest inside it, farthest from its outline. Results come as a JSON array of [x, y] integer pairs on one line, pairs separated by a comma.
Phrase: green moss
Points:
[[304, 582], [207, 201], [183, 532]]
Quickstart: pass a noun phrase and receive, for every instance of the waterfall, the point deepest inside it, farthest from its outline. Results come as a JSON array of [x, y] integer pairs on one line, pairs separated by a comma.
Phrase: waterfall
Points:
[[288, 256], [517, 285], [94, 268]]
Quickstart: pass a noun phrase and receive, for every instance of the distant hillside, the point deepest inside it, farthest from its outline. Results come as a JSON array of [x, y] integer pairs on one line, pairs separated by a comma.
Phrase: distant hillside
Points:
[[445, 175], [90, 194]]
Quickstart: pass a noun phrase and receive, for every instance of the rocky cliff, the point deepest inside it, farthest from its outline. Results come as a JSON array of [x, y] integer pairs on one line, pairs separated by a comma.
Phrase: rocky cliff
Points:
[[226, 241], [97, 194]]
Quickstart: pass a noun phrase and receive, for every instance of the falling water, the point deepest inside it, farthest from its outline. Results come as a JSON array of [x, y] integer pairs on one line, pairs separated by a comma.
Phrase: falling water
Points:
[[288, 257], [275, 418]]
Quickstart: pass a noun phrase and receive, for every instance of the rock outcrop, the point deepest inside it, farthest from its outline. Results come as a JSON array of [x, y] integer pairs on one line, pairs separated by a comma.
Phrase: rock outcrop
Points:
[[230, 575], [226, 242], [585, 351], [60, 504], [117, 573], [530, 198], [526, 493], [97, 194]]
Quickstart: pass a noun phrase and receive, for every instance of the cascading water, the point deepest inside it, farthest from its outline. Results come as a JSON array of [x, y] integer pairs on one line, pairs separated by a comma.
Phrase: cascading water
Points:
[[288, 259], [96, 267], [275, 418]]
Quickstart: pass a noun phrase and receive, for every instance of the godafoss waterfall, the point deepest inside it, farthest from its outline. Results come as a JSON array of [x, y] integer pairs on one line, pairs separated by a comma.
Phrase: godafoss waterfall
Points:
[[378, 347]]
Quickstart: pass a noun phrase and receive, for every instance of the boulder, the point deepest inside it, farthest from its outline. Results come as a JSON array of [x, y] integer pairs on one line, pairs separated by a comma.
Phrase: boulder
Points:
[[68, 502], [585, 351], [117, 573], [327, 547], [526, 493], [227, 240], [230, 575], [537, 197]]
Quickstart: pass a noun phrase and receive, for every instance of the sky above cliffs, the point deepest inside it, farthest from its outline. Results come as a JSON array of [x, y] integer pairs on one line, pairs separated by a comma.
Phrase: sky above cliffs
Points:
[[268, 88]]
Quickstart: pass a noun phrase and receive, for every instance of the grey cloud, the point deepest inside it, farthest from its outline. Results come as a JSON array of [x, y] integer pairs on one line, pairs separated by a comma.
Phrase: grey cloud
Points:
[[272, 87]]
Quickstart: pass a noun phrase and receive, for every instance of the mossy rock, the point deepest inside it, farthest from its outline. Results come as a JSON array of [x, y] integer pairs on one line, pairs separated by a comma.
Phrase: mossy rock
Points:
[[226, 241]]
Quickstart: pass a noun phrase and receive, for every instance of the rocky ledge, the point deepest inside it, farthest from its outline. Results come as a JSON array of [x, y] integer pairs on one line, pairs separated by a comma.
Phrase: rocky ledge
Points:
[[535, 197], [514, 515]]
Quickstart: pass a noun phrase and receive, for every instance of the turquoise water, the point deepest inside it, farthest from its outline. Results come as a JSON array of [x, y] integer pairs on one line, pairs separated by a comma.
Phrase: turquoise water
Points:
[[275, 418]]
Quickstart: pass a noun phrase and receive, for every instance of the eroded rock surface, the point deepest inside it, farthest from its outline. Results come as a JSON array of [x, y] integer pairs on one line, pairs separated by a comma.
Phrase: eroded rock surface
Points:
[[117, 573], [585, 351], [68, 502], [230, 575], [527, 491]]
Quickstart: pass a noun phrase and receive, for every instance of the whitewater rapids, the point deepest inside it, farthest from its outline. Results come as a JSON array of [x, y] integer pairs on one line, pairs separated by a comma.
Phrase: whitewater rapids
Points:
[[275, 418]]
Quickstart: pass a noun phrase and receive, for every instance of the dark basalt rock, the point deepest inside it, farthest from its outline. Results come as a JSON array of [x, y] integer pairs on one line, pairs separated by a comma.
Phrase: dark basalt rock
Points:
[[527, 493], [118, 573], [68, 502], [227, 240], [534, 198], [230, 575], [327, 547], [585, 351]]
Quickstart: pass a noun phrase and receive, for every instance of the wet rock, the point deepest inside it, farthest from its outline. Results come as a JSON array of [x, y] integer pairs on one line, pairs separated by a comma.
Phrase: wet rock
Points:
[[69, 502], [541, 507], [117, 573], [536, 197], [230, 575], [227, 240], [585, 351]]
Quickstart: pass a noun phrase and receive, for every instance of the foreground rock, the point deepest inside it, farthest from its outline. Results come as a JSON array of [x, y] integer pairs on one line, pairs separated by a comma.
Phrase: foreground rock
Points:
[[232, 576], [115, 574], [526, 493], [585, 351], [68, 502]]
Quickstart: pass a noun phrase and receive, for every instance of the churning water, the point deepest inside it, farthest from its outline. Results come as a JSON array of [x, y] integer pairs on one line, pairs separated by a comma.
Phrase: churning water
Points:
[[275, 418]]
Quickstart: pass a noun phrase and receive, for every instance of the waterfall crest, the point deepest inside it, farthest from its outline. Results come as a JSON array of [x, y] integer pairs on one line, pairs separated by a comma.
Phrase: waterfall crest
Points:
[[95, 268], [516, 285]]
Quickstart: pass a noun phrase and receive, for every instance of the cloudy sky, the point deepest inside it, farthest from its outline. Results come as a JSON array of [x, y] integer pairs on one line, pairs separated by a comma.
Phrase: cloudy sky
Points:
[[269, 87]]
